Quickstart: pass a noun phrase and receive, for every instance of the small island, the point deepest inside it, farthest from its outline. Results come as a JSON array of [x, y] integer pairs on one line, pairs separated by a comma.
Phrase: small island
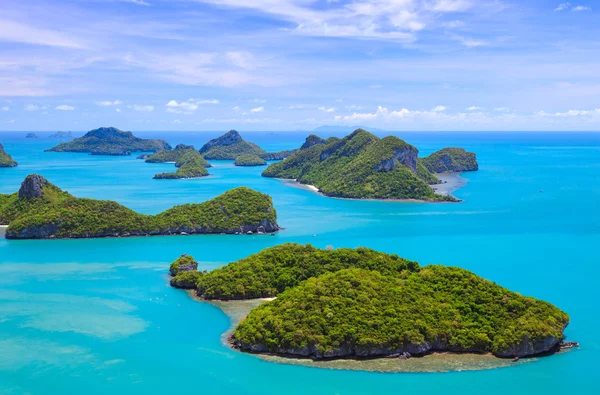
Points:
[[5, 159], [231, 145], [360, 166], [360, 303], [451, 160], [189, 163], [32, 135], [40, 210], [110, 141], [61, 135], [249, 160]]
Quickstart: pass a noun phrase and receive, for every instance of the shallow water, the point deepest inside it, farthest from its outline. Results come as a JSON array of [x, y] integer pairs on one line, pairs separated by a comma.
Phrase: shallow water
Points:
[[98, 316]]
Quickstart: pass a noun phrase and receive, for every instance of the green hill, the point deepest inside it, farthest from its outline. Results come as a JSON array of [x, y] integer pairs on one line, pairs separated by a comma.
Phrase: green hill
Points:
[[110, 141], [42, 210], [179, 154], [360, 166], [230, 146], [5, 159], [189, 163], [451, 160], [249, 160]]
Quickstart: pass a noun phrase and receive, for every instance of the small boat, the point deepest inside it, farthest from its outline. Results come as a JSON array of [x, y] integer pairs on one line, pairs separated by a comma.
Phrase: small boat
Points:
[[515, 359]]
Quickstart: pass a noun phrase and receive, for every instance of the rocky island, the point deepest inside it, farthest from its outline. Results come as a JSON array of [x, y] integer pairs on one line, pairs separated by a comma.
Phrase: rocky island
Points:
[[249, 160], [61, 135], [5, 159], [231, 145], [451, 160], [360, 166], [360, 303], [40, 210], [110, 141], [32, 135], [189, 163]]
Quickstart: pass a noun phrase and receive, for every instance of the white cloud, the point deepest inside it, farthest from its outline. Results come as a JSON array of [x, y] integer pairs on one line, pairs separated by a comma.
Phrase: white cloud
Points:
[[573, 113], [5, 108], [439, 109], [177, 121], [330, 109], [138, 107], [501, 109], [13, 31], [236, 108], [581, 8], [258, 109], [138, 2], [259, 101], [32, 107], [117, 109], [64, 107], [12, 121], [108, 103], [189, 106], [563, 7], [474, 108]]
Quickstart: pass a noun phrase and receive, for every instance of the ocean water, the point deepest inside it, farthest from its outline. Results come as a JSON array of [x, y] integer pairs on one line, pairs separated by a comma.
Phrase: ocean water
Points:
[[97, 316]]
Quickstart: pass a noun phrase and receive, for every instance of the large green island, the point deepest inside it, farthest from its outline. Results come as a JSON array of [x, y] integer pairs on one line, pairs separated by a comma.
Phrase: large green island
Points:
[[110, 141], [231, 145], [5, 159], [40, 210], [360, 303], [361, 166]]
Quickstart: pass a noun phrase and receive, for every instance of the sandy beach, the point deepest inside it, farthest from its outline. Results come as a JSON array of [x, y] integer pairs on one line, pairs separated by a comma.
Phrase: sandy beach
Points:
[[450, 183]]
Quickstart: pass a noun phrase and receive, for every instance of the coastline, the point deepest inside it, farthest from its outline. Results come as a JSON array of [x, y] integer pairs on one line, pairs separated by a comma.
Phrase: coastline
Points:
[[236, 310], [450, 183], [3, 230]]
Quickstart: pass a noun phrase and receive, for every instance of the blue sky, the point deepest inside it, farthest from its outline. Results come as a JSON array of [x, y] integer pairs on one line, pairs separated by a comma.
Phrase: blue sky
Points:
[[298, 64]]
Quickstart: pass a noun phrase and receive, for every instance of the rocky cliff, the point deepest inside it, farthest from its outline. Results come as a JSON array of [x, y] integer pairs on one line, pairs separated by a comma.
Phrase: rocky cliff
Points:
[[451, 160], [5, 159]]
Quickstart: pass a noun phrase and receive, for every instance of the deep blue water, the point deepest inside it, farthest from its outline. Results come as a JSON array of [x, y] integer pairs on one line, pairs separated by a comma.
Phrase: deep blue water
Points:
[[98, 316]]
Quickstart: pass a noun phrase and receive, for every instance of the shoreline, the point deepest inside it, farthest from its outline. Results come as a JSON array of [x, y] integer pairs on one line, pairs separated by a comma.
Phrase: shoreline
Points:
[[436, 362], [450, 183]]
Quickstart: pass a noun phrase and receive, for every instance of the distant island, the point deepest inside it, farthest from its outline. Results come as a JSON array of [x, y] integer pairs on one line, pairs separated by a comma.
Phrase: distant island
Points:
[[231, 145], [249, 160], [110, 141], [32, 135], [189, 163], [40, 210], [61, 135], [344, 129], [5, 159], [361, 166], [360, 303]]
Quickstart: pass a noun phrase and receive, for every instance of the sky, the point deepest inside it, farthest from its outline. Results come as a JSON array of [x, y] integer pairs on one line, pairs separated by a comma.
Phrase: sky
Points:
[[419, 65]]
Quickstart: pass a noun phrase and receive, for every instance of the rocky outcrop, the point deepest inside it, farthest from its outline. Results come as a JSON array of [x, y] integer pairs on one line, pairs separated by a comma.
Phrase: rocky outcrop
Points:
[[312, 140], [143, 156], [32, 187], [185, 263], [278, 155], [404, 156], [528, 347], [229, 138], [32, 136]]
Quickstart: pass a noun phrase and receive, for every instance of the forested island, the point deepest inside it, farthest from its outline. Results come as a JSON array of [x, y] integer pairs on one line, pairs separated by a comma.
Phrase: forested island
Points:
[[110, 141], [32, 135], [360, 303], [40, 210], [360, 166], [5, 159], [451, 160], [61, 135], [231, 145], [249, 160], [189, 163]]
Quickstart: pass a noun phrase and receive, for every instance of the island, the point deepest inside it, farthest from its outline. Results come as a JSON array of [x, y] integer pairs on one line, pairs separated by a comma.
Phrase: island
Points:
[[360, 303], [360, 166], [5, 159], [110, 141], [451, 160], [189, 163], [231, 145], [249, 160], [61, 135], [41, 210], [32, 135]]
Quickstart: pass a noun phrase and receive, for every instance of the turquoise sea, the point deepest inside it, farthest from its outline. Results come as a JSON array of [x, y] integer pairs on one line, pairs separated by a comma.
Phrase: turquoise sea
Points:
[[98, 317]]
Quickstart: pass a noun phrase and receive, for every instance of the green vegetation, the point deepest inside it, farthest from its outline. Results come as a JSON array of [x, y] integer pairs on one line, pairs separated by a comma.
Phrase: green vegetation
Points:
[[184, 263], [359, 166], [186, 280], [110, 141], [41, 210], [276, 269], [359, 312], [5, 159], [189, 163], [181, 154], [230, 146], [249, 160], [424, 174], [451, 160]]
